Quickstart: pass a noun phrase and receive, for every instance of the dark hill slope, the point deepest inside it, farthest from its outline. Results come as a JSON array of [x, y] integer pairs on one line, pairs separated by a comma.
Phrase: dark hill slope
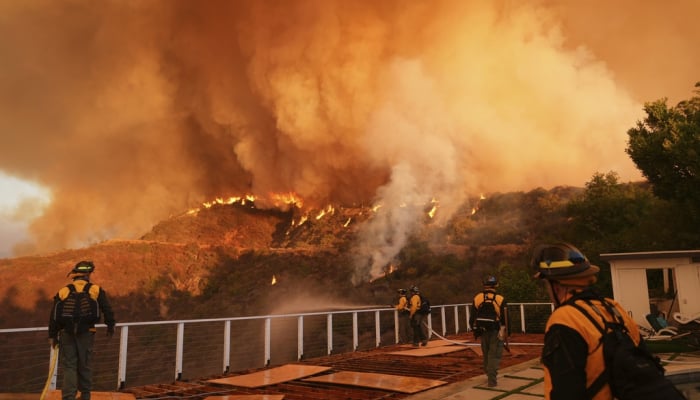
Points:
[[221, 261]]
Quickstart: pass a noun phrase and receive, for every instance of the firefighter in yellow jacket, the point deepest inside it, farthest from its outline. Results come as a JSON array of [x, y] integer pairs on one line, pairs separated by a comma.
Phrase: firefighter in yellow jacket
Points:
[[572, 355], [76, 338], [488, 317], [404, 314]]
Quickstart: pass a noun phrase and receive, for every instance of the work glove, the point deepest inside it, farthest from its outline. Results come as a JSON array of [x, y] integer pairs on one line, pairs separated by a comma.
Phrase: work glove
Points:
[[53, 342], [478, 332], [502, 333], [110, 330]]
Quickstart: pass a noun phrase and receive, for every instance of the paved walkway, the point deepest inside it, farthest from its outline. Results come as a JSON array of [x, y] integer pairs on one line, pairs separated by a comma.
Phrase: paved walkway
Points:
[[518, 382], [526, 381]]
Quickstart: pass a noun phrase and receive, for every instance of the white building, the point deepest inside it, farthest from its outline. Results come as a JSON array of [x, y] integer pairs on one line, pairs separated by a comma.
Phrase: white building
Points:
[[681, 276]]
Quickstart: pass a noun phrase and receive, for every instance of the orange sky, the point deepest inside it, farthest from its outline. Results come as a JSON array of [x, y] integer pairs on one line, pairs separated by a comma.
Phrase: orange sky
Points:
[[131, 111]]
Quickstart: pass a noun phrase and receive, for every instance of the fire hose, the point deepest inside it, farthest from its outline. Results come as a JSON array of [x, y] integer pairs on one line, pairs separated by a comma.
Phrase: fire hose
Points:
[[52, 368], [476, 344]]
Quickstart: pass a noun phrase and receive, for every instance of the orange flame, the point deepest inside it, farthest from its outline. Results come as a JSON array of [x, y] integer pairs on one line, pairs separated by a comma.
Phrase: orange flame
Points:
[[290, 198], [345, 225], [274, 280], [328, 210]]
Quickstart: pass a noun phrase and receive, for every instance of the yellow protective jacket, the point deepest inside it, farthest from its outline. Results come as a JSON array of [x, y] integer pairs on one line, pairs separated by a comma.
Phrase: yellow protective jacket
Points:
[[96, 293], [415, 304], [403, 305], [499, 305], [570, 317]]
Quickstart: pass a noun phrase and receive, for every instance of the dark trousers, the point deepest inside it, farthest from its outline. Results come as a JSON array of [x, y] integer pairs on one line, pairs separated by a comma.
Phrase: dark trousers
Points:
[[404, 327], [493, 350], [420, 330], [76, 359]]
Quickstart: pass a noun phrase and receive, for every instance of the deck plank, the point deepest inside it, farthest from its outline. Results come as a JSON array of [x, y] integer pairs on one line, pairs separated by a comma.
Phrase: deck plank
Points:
[[271, 376], [395, 383]]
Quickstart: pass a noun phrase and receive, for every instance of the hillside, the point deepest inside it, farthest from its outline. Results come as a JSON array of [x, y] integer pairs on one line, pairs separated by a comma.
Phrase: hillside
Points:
[[235, 259]]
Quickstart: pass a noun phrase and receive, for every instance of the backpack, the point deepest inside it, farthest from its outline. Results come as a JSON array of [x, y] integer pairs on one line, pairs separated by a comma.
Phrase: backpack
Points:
[[487, 316], [632, 371], [424, 305], [78, 309]]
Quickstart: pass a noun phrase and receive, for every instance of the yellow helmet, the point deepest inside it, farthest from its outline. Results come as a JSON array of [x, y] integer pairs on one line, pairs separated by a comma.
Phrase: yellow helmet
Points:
[[561, 262]]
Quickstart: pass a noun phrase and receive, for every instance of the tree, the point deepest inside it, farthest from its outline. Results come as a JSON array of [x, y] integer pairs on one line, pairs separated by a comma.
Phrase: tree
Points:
[[610, 212], [666, 149]]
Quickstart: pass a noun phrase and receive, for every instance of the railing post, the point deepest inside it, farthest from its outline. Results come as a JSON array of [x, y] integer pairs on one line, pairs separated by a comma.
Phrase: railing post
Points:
[[444, 323], [329, 332], [430, 325], [355, 341], [522, 317], [268, 355], [121, 369], [456, 320], [227, 346], [179, 349], [377, 330], [300, 337], [396, 325], [467, 308]]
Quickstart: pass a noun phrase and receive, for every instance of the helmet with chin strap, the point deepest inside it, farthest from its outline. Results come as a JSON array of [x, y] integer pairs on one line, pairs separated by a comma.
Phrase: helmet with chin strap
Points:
[[491, 281], [561, 262], [82, 268]]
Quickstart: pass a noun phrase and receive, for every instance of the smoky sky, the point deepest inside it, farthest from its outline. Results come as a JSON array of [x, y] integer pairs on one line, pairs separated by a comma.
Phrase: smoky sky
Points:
[[132, 111]]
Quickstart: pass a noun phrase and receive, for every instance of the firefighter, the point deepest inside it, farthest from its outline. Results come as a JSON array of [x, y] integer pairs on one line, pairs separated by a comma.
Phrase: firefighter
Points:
[[76, 338], [404, 310], [488, 321], [420, 329], [572, 355]]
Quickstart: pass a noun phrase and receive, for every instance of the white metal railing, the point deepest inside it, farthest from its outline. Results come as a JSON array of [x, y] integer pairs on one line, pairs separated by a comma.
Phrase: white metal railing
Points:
[[274, 331]]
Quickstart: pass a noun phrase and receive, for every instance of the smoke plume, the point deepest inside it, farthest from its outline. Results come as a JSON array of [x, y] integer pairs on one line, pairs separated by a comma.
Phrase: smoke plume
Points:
[[131, 111]]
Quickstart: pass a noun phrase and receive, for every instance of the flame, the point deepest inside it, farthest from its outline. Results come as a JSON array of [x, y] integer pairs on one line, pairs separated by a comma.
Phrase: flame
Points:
[[388, 270], [303, 219], [345, 225], [274, 280], [290, 198], [432, 211], [476, 208], [230, 200], [328, 210], [376, 207]]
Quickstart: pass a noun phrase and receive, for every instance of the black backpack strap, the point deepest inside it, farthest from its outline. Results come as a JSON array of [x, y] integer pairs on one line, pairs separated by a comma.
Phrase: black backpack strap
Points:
[[87, 287], [71, 287], [604, 377]]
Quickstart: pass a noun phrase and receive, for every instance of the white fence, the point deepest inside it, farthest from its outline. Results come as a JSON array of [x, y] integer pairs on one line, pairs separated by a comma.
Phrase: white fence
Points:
[[163, 351]]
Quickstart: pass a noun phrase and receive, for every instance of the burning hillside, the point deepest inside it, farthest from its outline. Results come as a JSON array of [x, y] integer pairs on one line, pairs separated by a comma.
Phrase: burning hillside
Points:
[[235, 259], [128, 112]]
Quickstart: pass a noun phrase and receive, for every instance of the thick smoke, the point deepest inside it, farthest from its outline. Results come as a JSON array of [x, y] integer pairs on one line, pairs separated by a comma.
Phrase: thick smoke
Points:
[[131, 111]]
